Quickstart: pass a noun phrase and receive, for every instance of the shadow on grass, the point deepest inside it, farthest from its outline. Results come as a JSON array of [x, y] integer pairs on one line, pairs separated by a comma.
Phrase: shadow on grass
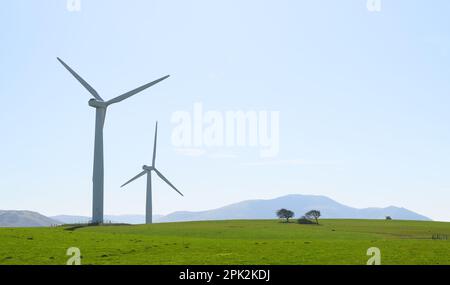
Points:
[[300, 222], [73, 227]]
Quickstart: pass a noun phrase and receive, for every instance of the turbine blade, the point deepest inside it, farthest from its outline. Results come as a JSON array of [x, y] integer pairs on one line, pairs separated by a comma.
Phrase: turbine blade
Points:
[[134, 178], [81, 80], [135, 91], [167, 181], [154, 145]]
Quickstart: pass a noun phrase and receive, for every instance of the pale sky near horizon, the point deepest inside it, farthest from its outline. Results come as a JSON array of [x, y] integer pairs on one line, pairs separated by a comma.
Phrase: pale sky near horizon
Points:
[[363, 98]]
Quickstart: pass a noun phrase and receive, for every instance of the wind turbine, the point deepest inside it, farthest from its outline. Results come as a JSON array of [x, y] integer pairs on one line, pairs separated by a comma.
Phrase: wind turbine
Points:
[[148, 170], [100, 106]]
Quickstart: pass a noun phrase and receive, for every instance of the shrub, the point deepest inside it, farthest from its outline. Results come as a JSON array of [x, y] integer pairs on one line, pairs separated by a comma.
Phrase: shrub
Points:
[[305, 221]]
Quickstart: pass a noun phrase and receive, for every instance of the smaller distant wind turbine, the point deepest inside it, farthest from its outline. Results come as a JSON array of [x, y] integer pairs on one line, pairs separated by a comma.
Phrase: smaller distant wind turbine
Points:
[[148, 170]]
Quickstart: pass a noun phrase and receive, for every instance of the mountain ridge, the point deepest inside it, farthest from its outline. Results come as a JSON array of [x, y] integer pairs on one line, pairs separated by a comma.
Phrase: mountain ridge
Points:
[[23, 218], [244, 210], [300, 204]]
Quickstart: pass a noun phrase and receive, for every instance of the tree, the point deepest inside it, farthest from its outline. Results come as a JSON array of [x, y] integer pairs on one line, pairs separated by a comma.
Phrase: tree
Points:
[[388, 218], [313, 214], [285, 214]]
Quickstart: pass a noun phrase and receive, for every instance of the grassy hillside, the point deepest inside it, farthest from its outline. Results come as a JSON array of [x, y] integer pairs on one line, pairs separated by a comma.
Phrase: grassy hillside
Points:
[[232, 242]]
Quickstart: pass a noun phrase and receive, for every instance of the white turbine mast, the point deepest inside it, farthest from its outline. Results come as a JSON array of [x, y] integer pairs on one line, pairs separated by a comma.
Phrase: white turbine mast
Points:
[[148, 170], [101, 105]]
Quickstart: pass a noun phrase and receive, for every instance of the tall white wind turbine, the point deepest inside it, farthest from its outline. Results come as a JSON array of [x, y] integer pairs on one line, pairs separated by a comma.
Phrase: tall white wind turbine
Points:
[[148, 170], [100, 106]]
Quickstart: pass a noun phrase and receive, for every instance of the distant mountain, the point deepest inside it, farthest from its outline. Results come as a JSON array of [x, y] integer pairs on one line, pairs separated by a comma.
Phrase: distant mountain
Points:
[[300, 204], [126, 219], [24, 219], [67, 219], [251, 209]]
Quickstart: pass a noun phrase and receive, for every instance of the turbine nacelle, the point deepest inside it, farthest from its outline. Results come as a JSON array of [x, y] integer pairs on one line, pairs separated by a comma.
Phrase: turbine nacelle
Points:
[[148, 168], [97, 104]]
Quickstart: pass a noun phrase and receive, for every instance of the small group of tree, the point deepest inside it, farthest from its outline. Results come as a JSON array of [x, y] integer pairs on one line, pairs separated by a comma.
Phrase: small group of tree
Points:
[[388, 218], [311, 217]]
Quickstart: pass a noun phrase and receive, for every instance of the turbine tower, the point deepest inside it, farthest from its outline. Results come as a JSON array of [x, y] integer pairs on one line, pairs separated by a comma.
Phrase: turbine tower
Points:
[[100, 112], [148, 170]]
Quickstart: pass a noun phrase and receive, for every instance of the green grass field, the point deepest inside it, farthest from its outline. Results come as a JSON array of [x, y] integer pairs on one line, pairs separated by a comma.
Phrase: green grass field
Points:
[[232, 242]]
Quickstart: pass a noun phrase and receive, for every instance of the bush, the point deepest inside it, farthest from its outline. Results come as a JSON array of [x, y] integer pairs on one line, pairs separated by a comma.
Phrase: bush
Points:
[[305, 221]]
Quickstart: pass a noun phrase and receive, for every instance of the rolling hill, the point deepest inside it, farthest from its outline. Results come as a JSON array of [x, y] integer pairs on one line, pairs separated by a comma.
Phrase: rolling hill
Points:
[[251, 209], [24, 219], [300, 204]]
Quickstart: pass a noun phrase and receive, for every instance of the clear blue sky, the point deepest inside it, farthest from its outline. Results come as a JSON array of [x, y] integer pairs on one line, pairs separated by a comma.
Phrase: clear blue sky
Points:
[[364, 101]]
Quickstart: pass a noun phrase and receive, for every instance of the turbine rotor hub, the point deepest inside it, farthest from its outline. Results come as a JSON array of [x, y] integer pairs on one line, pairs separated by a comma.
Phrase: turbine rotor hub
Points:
[[97, 104], [147, 168]]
